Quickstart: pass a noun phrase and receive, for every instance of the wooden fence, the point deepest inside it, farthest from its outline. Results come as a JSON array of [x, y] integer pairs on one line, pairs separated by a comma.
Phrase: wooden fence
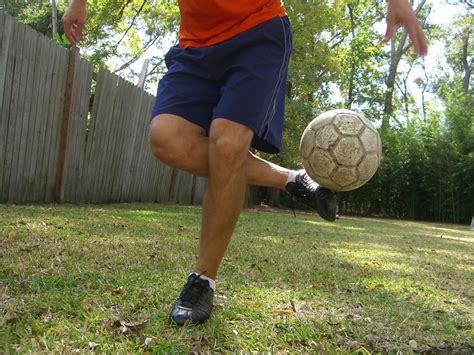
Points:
[[59, 144]]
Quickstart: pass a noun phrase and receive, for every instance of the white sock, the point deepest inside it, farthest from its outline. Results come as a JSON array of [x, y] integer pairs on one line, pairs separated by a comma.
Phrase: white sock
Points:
[[292, 176], [212, 283]]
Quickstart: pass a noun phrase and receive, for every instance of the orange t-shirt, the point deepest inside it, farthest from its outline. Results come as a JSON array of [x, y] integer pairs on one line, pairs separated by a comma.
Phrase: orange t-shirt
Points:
[[207, 22]]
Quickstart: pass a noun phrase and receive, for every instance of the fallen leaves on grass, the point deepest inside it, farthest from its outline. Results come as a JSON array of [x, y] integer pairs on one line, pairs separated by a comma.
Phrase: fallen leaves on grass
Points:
[[197, 343], [118, 291], [182, 229], [13, 317], [297, 342], [282, 312], [413, 344], [127, 329]]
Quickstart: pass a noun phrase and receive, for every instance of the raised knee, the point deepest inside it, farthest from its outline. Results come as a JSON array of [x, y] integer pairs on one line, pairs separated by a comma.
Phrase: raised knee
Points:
[[160, 140]]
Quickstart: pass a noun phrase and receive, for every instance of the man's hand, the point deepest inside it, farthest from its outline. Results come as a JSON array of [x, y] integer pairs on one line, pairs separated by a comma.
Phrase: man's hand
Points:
[[74, 20], [399, 12]]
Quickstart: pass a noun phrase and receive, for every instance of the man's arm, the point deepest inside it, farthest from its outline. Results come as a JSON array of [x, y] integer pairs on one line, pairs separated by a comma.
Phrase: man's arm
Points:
[[74, 20], [399, 12]]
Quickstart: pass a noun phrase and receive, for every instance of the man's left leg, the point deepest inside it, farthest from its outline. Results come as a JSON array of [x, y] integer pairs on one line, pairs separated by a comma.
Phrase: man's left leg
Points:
[[229, 143]]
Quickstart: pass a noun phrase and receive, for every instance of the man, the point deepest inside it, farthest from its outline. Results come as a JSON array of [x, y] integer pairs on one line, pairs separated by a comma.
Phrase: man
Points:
[[223, 94]]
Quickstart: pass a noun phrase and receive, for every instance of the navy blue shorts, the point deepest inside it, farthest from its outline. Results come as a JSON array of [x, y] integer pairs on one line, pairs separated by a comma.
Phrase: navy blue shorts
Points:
[[242, 79]]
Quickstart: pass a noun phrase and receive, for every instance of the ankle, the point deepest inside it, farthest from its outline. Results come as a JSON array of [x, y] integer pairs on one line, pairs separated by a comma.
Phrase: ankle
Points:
[[212, 282], [291, 176]]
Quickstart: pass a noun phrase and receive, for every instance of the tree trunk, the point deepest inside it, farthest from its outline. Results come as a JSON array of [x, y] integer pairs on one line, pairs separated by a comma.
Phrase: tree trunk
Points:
[[396, 54], [466, 65], [350, 94]]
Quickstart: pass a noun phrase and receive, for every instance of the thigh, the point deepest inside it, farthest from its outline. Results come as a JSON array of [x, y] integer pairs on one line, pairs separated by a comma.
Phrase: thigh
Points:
[[173, 125], [254, 80], [174, 133], [188, 90]]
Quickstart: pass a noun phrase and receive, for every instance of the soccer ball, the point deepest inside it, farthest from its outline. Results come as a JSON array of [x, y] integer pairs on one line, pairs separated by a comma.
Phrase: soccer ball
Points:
[[340, 150]]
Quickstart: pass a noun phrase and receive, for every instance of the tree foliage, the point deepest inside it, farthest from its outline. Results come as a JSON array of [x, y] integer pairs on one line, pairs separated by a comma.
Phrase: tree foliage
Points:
[[118, 32]]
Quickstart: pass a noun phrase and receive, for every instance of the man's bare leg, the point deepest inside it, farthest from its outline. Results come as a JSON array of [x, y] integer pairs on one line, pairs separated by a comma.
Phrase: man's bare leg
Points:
[[228, 146], [225, 159]]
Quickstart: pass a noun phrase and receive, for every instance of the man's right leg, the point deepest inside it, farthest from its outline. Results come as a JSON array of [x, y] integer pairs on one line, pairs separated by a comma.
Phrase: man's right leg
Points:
[[184, 145]]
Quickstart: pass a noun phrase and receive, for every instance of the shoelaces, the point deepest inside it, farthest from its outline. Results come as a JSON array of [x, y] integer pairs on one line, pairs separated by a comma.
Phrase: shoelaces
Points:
[[192, 291]]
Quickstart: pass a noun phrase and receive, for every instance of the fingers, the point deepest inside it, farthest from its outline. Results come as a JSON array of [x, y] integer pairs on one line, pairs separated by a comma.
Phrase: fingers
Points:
[[73, 22], [78, 32], [415, 32], [391, 23], [68, 29], [73, 31], [419, 40], [412, 33]]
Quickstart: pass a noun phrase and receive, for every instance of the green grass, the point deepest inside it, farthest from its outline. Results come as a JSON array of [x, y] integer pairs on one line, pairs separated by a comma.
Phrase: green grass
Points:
[[70, 274]]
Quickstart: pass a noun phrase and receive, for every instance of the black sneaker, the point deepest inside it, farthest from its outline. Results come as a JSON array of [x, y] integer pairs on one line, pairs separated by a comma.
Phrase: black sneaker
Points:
[[194, 304], [319, 198]]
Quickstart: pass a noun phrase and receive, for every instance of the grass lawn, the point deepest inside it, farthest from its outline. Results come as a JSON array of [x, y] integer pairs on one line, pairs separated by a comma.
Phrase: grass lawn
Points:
[[103, 278]]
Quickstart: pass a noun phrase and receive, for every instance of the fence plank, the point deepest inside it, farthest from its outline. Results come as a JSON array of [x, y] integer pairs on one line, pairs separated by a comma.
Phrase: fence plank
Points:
[[134, 146], [8, 57], [77, 134], [25, 178], [21, 182], [152, 163], [20, 130], [84, 119], [144, 151], [35, 147], [200, 189], [67, 110], [57, 107], [85, 128], [138, 151], [116, 128], [184, 188], [97, 115], [125, 120], [131, 154], [106, 136], [87, 181], [6, 23], [14, 137], [124, 134], [46, 123]]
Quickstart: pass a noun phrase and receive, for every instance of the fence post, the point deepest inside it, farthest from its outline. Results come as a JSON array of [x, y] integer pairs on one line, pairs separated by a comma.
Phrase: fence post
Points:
[[67, 110], [171, 192], [143, 74], [193, 189]]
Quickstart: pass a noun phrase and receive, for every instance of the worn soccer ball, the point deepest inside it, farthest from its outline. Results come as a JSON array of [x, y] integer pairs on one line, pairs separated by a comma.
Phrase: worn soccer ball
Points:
[[341, 150]]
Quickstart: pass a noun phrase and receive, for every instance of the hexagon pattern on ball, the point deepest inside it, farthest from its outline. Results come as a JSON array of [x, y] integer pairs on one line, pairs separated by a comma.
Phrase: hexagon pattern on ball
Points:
[[348, 151], [340, 150]]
